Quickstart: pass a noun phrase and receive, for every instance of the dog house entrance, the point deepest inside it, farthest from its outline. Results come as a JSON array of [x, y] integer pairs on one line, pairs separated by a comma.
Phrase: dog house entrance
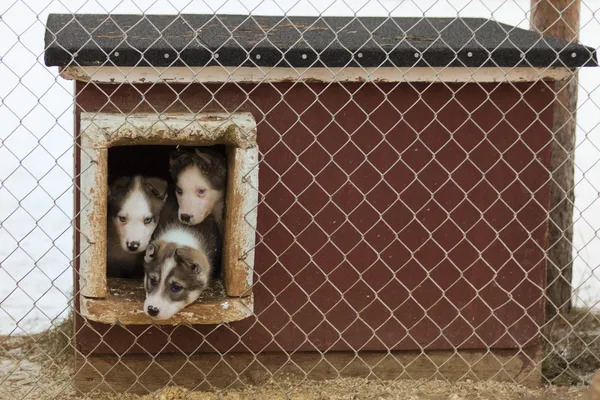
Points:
[[112, 142]]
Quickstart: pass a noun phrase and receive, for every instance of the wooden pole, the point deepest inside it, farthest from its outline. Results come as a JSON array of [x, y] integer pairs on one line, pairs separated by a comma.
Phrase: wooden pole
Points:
[[560, 18]]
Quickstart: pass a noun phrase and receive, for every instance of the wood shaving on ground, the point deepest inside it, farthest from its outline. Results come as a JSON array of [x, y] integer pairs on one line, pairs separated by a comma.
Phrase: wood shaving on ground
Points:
[[37, 369]]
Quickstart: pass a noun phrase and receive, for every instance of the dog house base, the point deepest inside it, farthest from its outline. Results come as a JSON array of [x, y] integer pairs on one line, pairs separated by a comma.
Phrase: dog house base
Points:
[[125, 299], [144, 374]]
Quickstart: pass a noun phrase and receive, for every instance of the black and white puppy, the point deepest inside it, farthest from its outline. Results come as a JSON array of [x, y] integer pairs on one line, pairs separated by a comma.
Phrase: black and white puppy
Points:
[[135, 204], [178, 266], [200, 176]]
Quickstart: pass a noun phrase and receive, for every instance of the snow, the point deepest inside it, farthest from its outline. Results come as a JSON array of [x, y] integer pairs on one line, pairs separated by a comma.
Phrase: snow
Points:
[[36, 141]]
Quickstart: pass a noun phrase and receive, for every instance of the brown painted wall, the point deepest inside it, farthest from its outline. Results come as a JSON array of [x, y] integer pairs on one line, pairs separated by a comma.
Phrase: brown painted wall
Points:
[[415, 217]]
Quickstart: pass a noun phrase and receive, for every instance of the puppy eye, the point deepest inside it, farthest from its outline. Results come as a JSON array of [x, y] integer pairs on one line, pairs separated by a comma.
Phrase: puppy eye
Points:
[[152, 281], [122, 219], [147, 220], [201, 191], [176, 287], [178, 191]]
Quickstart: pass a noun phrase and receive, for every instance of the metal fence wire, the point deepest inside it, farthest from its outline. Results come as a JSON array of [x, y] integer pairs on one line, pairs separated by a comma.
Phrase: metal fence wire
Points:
[[411, 220]]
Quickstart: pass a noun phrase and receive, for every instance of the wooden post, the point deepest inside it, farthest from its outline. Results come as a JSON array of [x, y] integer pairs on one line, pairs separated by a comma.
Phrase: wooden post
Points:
[[560, 18]]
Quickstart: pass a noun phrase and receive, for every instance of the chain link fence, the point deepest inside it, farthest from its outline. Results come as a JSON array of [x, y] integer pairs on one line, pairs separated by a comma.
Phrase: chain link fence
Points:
[[432, 224]]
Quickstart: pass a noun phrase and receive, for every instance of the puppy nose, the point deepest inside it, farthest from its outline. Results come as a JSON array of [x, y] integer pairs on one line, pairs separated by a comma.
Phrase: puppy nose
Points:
[[133, 246], [153, 311], [186, 217]]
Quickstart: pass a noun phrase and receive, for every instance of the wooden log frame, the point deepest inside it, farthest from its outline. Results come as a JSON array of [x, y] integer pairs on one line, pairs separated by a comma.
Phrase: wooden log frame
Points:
[[99, 132], [560, 18]]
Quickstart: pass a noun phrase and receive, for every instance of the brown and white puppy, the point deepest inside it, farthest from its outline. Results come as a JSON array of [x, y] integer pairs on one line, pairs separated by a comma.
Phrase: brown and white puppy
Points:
[[178, 266], [135, 204], [200, 176]]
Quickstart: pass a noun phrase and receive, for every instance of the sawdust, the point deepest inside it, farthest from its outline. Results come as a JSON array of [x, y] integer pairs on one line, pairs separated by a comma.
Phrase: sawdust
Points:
[[354, 388], [37, 366]]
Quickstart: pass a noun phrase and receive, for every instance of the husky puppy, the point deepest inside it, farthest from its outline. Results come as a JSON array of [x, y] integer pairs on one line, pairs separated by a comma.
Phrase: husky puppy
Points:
[[178, 266], [135, 204], [200, 176]]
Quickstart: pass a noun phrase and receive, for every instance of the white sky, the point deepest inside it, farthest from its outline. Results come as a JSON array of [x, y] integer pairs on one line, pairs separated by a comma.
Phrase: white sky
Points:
[[36, 134]]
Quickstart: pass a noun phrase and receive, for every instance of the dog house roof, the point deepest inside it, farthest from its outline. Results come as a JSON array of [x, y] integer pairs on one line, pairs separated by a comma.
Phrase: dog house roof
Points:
[[235, 40]]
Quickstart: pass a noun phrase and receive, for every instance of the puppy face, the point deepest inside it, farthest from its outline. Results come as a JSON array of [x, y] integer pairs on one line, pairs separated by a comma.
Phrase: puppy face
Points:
[[134, 205], [174, 277], [200, 179], [195, 195]]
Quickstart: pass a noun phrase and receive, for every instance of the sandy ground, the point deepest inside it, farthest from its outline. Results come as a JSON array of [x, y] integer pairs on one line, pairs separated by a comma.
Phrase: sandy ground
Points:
[[361, 389], [38, 367]]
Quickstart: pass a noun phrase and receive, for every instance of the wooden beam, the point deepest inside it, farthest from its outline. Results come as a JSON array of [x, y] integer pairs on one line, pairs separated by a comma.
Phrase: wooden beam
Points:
[[560, 18], [125, 303], [144, 374], [133, 75]]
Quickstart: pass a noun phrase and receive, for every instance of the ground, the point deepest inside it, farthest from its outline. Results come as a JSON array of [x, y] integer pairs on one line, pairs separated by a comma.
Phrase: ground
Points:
[[39, 367], [361, 389], [571, 347]]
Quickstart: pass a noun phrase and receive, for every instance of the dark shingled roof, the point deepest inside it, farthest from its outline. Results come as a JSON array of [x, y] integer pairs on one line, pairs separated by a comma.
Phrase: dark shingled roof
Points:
[[192, 40]]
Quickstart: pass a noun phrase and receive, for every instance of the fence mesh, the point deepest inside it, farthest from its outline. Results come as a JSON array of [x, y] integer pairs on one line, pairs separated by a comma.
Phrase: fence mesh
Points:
[[406, 229]]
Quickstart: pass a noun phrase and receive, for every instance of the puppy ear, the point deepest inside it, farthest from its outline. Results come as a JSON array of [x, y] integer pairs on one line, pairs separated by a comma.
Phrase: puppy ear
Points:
[[119, 185], [151, 251], [156, 186], [178, 159], [214, 163], [196, 261], [206, 158], [174, 155]]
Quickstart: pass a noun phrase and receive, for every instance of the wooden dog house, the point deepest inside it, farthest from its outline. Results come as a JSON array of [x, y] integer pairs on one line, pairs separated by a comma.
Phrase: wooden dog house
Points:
[[402, 207]]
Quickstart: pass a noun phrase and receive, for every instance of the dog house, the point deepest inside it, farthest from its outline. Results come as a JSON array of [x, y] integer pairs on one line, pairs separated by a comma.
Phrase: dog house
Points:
[[387, 192]]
